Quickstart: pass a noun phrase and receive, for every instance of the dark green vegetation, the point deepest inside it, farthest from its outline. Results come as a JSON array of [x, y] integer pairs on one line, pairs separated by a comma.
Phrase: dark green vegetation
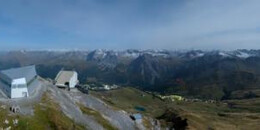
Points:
[[208, 76], [228, 115], [47, 115]]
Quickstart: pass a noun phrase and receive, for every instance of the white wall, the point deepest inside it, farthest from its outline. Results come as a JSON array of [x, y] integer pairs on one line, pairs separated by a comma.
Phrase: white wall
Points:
[[18, 92], [19, 87], [74, 80]]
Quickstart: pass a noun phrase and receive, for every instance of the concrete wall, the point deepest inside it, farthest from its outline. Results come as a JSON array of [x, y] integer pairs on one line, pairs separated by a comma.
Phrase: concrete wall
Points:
[[74, 80], [5, 89], [19, 92], [33, 86], [19, 88]]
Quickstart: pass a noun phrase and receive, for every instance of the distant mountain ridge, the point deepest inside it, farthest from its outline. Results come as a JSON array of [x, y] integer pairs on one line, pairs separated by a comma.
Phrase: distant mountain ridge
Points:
[[196, 73]]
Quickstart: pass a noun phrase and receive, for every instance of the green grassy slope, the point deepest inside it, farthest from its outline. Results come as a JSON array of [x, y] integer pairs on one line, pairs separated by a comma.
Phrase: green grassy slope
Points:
[[242, 114], [129, 98], [97, 116], [47, 115]]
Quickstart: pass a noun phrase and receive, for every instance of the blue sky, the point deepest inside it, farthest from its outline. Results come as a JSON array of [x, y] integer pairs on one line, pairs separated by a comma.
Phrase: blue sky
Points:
[[129, 24]]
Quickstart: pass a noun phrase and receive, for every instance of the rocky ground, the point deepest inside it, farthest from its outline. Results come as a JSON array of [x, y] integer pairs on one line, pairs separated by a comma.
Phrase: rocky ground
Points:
[[69, 103], [119, 119], [26, 104]]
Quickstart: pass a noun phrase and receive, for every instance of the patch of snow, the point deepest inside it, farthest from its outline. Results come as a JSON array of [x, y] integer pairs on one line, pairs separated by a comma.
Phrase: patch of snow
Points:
[[131, 54], [224, 54], [197, 55], [200, 54], [243, 55]]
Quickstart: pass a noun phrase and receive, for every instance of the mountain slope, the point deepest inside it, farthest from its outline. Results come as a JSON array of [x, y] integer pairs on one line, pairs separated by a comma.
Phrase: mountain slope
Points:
[[193, 73]]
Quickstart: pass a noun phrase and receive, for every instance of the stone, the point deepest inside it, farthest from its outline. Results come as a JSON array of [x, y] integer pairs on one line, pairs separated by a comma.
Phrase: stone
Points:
[[6, 122]]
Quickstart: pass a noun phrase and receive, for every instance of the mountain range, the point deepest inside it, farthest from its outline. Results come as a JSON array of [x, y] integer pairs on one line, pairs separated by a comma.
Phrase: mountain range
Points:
[[194, 73]]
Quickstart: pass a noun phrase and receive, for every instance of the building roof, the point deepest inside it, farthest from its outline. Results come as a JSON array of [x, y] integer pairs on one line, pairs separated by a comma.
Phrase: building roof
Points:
[[27, 72], [64, 76]]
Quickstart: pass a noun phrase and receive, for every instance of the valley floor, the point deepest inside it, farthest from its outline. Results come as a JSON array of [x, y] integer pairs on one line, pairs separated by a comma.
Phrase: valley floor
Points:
[[226, 115], [53, 108]]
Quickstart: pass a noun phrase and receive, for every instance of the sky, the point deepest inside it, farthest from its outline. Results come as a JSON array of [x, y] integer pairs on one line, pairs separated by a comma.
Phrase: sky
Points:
[[129, 24]]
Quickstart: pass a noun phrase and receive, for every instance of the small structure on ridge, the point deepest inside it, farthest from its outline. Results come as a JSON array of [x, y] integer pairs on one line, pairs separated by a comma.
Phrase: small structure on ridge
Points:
[[66, 79]]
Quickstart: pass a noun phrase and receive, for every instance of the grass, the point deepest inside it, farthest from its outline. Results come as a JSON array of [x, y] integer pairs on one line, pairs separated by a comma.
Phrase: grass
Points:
[[147, 123], [4, 115], [200, 115], [248, 105], [204, 116], [47, 115], [129, 98], [97, 116]]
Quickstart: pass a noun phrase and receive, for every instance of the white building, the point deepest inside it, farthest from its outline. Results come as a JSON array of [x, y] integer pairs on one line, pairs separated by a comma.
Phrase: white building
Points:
[[66, 79], [18, 82]]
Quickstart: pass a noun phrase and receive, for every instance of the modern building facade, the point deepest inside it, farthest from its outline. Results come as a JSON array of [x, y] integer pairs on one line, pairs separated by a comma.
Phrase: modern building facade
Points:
[[66, 79], [18, 82]]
